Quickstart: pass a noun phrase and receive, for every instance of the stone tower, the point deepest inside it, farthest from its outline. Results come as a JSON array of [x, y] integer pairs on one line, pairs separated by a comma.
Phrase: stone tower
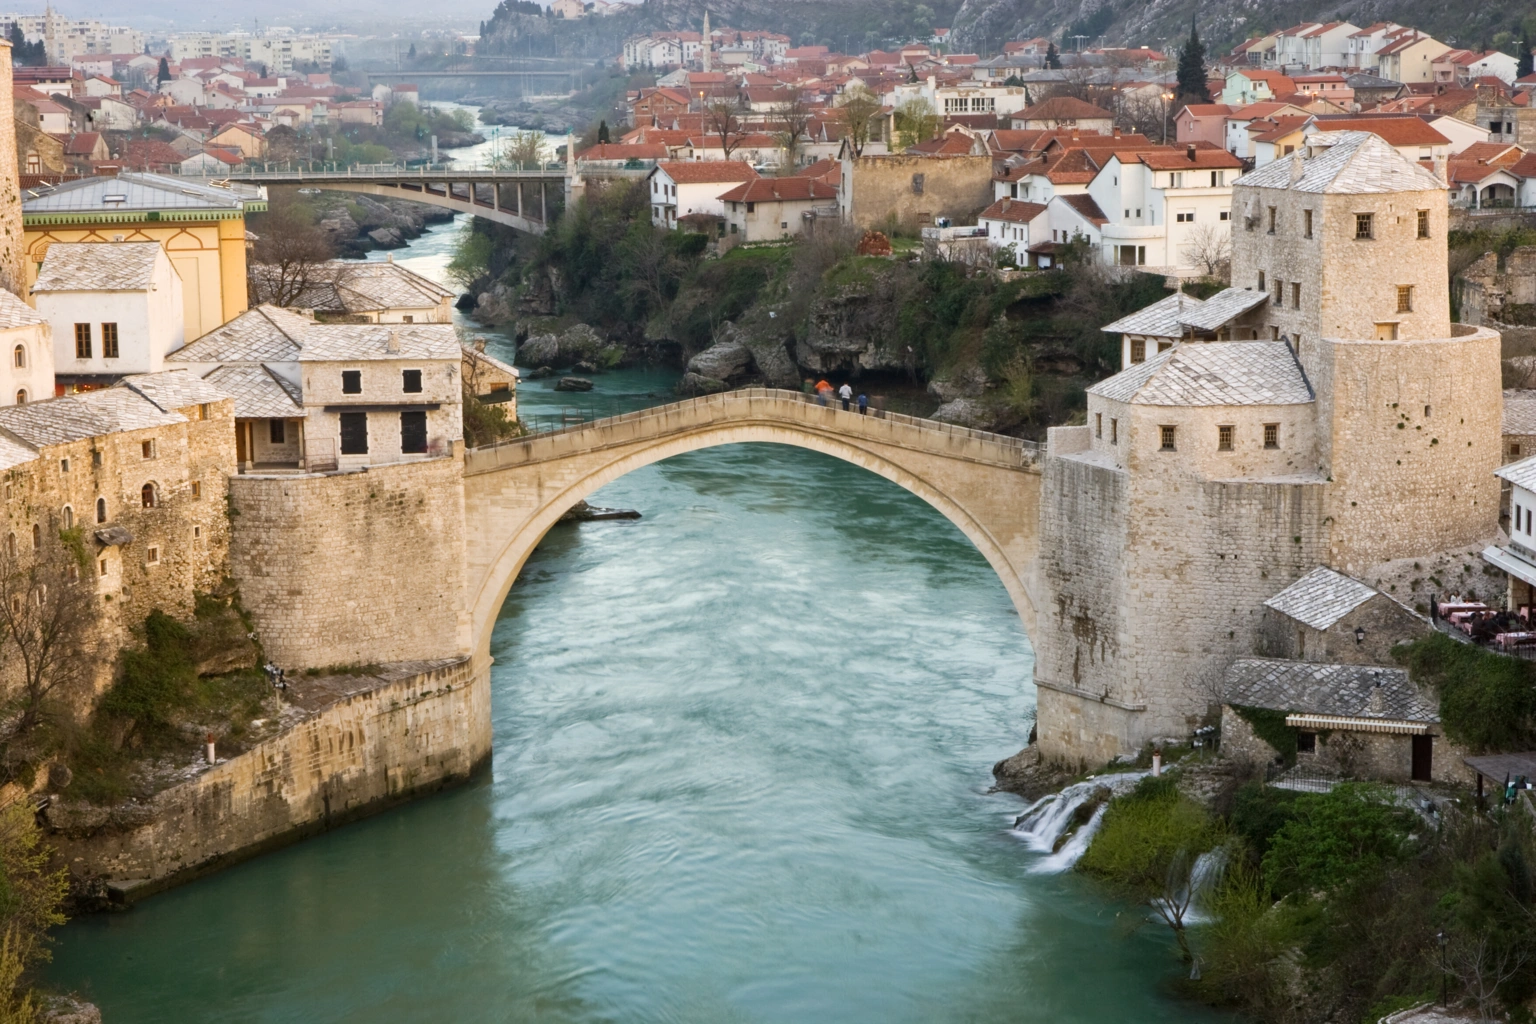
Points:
[[12, 279]]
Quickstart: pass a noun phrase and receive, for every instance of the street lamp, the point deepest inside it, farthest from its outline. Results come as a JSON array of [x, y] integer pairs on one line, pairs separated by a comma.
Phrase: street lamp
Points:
[[1167, 99]]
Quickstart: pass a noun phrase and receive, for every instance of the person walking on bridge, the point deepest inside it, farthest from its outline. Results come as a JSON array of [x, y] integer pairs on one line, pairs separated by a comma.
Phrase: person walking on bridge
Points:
[[863, 404], [823, 389], [846, 394]]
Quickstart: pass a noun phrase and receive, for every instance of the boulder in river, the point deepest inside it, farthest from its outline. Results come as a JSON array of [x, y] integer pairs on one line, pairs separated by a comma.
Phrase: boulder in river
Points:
[[581, 343], [539, 350], [966, 412], [724, 360], [697, 384], [585, 367], [573, 384]]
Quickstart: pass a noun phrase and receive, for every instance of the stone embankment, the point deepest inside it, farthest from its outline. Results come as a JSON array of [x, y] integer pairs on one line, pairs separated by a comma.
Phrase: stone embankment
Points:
[[353, 743]]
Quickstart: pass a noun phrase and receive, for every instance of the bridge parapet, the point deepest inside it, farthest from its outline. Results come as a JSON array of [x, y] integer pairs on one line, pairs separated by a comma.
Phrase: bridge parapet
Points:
[[772, 405]]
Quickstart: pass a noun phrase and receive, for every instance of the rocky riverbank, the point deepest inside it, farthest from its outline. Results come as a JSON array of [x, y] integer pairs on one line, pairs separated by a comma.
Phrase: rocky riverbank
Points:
[[359, 224], [553, 117]]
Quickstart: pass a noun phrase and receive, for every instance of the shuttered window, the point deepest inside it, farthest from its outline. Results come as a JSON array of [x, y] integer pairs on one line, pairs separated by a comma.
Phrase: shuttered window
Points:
[[413, 433], [354, 433]]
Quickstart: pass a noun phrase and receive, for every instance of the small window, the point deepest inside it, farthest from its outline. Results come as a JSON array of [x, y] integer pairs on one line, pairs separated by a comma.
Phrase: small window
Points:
[[276, 431], [37, 537], [1386, 330], [102, 566], [147, 448], [202, 410], [1262, 286], [1138, 350], [63, 465], [1271, 435], [21, 396], [351, 382], [1295, 294], [109, 341], [152, 556], [96, 458], [19, 357], [412, 381], [197, 533], [1226, 215], [1405, 298], [1187, 217], [752, 207], [1279, 294], [1098, 424], [1114, 431], [69, 518], [147, 495], [1363, 225], [10, 544], [82, 341], [101, 510], [1166, 434], [1306, 742], [1423, 223], [408, 319], [1514, 451], [1271, 220], [1426, 412], [354, 433], [1223, 439], [413, 433], [1306, 223], [197, 488]]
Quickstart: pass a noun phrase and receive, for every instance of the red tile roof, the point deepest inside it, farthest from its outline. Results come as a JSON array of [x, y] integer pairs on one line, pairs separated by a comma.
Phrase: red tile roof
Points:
[[622, 151], [1397, 131], [1085, 205], [1063, 108], [778, 190], [706, 172], [1015, 210]]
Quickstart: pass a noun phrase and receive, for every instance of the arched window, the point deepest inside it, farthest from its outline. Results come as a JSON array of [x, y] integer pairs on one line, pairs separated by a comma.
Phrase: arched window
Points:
[[37, 537], [19, 357], [148, 494], [21, 396], [69, 518], [101, 510]]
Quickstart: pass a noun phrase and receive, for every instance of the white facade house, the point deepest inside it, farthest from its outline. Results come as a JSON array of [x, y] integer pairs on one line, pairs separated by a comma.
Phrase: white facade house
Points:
[[115, 308], [1314, 45], [1518, 556], [1015, 225], [1158, 204], [973, 97], [678, 189], [26, 353]]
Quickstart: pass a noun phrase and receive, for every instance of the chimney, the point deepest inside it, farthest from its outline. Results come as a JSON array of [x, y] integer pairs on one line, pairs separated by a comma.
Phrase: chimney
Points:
[[1117, 131], [1297, 169], [392, 346], [1440, 167], [1191, 151]]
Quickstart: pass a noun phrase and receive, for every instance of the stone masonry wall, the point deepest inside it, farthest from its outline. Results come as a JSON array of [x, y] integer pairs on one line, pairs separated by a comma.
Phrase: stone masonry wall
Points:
[[424, 726], [885, 188], [358, 567], [1385, 622], [12, 277]]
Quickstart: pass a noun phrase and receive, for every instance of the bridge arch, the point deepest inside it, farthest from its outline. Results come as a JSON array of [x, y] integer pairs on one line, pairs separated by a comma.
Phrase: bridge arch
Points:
[[514, 493]]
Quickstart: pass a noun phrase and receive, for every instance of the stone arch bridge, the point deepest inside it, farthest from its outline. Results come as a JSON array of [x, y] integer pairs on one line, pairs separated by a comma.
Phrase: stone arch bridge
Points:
[[986, 484]]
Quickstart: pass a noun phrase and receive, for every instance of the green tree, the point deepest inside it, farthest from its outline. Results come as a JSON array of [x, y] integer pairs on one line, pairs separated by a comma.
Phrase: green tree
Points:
[[164, 74], [1335, 838], [1052, 57], [916, 121], [1191, 77], [602, 133]]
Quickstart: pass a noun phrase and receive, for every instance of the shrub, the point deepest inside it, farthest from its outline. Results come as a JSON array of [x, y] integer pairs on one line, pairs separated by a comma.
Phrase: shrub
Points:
[[1334, 838], [1487, 700]]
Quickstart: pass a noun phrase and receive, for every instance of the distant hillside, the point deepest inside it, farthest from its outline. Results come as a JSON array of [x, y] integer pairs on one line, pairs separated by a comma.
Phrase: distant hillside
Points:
[[985, 24]]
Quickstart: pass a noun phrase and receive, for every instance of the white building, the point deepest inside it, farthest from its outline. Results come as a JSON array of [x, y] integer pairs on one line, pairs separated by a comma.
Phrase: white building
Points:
[[678, 189], [973, 97], [1015, 225], [1159, 204], [26, 353], [115, 308]]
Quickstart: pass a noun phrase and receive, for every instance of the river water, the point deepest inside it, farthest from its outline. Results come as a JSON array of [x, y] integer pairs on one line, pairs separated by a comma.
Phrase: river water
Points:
[[741, 754]]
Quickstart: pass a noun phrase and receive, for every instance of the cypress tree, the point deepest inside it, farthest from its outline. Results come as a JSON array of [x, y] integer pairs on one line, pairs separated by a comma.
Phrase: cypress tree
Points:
[[164, 74], [1052, 56], [602, 132], [1191, 81], [1527, 63]]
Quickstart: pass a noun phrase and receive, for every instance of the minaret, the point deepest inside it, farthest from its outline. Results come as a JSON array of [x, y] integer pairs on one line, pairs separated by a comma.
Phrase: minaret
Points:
[[50, 48], [709, 43]]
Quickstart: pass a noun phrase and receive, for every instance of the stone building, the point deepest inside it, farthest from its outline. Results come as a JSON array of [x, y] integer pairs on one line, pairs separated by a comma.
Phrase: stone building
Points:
[[914, 191], [1215, 474], [1358, 720], [346, 291], [1328, 617]]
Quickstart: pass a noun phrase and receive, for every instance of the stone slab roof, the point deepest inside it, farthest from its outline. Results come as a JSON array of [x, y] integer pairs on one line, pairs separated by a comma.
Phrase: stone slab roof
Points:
[[1222, 308], [76, 417], [1352, 163], [258, 392], [1159, 320], [1220, 373], [266, 334], [1321, 598], [97, 266], [172, 390], [347, 286], [14, 453], [15, 313], [1348, 691], [352, 342], [136, 192], [475, 356], [1520, 412], [1521, 474]]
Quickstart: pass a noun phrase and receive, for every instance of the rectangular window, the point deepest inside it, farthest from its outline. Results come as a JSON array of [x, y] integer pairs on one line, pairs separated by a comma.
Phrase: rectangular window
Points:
[[1271, 435], [63, 465], [1223, 439], [102, 565], [408, 319], [153, 556], [412, 381], [1226, 214], [275, 431], [354, 433], [1363, 225], [351, 382], [109, 341], [1262, 288], [413, 433], [1295, 294], [1405, 298], [147, 448], [1514, 451], [1386, 331], [82, 341], [1114, 431], [1166, 434], [1306, 742], [1187, 217], [1271, 220], [1423, 223], [1306, 223], [1098, 424], [1138, 350], [197, 488], [1279, 294]]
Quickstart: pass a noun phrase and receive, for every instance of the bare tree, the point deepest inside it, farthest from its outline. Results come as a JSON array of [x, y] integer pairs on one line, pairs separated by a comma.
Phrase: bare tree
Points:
[[722, 118], [857, 107], [525, 150], [290, 252], [790, 121], [1210, 247], [1482, 966], [48, 620]]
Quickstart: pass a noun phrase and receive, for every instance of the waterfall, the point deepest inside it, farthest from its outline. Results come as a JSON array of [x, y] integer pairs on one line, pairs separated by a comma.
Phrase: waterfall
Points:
[[1204, 876], [1047, 820]]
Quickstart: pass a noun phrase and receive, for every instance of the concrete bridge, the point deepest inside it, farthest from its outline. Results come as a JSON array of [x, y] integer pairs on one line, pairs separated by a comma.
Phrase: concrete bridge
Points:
[[986, 484]]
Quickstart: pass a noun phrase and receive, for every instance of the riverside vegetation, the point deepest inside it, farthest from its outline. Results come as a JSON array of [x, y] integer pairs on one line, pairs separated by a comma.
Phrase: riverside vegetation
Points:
[[1007, 351], [1347, 905]]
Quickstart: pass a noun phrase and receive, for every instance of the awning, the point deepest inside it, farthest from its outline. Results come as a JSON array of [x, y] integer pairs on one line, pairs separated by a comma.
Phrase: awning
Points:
[[1341, 723], [1516, 566], [1496, 766]]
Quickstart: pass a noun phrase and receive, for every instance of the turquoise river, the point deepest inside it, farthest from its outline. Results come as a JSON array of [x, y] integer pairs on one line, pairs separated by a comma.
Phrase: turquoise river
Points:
[[742, 752]]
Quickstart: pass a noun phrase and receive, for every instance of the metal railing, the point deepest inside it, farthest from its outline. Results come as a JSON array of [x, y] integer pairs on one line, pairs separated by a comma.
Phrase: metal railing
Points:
[[1315, 778], [1029, 451]]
